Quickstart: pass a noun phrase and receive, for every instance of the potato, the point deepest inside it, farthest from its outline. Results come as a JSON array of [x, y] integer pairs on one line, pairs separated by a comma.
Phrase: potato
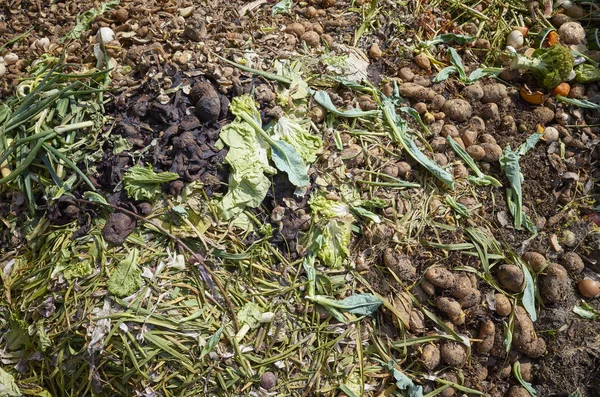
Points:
[[518, 391], [417, 321], [428, 287], [462, 286], [452, 309], [449, 376], [453, 354], [511, 277], [535, 260], [402, 304], [503, 306], [573, 262], [430, 356], [487, 332], [525, 339], [295, 28], [472, 298], [554, 283], [526, 368], [440, 277], [400, 265], [449, 306]]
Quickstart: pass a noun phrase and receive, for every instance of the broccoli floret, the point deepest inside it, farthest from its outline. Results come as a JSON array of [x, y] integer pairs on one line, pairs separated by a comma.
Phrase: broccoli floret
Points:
[[550, 66]]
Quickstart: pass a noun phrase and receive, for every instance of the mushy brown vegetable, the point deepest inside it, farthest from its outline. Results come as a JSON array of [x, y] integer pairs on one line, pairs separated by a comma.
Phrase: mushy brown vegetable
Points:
[[430, 356], [503, 306], [511, 277], [440, 277], [554, 283], [487, 332], [453, 354]]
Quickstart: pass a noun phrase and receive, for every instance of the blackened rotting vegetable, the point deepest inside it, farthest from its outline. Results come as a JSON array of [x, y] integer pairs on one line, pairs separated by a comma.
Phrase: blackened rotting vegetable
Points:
[[118, 227], [208, 104]]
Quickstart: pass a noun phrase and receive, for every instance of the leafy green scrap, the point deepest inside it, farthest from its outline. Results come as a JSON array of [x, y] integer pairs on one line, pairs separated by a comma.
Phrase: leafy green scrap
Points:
[[290, 130], [85, 19], [142, 183], [127, 276], [8, 386]]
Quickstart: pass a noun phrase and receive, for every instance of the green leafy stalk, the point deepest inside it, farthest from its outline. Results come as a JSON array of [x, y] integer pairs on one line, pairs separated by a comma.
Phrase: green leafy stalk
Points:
[[480, 178], [398, 129]]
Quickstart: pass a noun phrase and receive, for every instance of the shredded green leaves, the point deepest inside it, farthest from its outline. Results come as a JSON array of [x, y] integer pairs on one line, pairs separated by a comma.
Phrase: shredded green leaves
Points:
[[142, 183]]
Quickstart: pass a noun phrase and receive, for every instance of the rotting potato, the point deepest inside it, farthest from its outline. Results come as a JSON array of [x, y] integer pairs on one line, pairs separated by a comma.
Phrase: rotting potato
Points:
[[503, 306], [511, 277], [400, 265], [427, 287], [487, 332], [430, 356], [554, 283], [461, 287], [526, 366], [453, 354], [525, 339], [451, 308], [440, 277], [573, 262], [472, 298], [403, 307], [449, 392], [518, 391], [535, 260], [417, 321]]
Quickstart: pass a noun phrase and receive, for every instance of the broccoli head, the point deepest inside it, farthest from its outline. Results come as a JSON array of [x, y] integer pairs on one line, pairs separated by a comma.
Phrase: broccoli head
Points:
[[550, 66]]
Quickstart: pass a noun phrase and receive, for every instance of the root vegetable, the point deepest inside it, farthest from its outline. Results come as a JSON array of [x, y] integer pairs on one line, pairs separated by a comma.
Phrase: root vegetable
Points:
[[561, 89], [430, 356], [518, 391], [535, 260], [423, 61], [472, 298], [511, 277], [427, 287], [451, 308], [476, 152], [453, 354], [375, 52], [573, 262], [403, 168], [571, 33], [415, 91], [208, 106], [487, 332], [494, 93], [492, 152], [469, 137], [400, 265], [295, 28], [353, 155], [462, 286], [554, 284], [503, 306], [268, 380], [417, 321], [515, 39], [311, 38], [457, 109], [589, 288], [525, 339], [440, 277]]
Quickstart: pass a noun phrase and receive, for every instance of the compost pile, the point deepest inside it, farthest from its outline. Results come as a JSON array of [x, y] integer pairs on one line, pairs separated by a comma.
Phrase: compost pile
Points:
[[316, 198]]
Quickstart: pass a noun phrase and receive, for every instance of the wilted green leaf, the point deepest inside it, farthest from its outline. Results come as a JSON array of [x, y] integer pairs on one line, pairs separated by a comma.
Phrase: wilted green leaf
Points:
[[582, 103], [459, 39], [529, 293], [283, 7], [8, 386], [444, 74], [324, 100], [361, 304], [586, 311], [250, 314], [526, 385], [211, 343], [85, 19], [142, 183], [480, 178], [126, 277], [458, 64], [17, 337], [403, 382], [291, 131], [399, 127]]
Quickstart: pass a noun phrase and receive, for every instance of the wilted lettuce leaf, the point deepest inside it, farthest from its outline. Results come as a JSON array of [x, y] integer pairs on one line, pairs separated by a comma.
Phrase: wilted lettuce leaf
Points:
[[284, 155], [144, 184], [333, 224], [8, 386], [248, 158], [126, 278], [85, 19], [291, 131]]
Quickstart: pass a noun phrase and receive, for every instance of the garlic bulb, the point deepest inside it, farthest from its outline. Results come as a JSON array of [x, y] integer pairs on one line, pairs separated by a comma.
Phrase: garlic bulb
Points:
[[106, 34], [11, 58], [515, 39]]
